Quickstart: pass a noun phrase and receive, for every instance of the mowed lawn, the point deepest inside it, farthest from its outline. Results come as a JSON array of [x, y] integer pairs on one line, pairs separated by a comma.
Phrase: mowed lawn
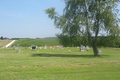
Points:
[[37, 42], [53, 64]]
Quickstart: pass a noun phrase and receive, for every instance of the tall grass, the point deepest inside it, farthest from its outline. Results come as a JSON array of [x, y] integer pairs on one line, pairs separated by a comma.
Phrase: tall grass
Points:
[[58, 64]]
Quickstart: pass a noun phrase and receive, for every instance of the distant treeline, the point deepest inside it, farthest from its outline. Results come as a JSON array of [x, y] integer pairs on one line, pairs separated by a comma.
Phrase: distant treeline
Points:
[[102, 41], [33, 38], [19, 38]]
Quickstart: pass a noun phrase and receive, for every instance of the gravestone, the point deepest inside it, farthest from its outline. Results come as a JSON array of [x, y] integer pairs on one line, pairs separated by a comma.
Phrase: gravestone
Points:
[[40, 47], [33, 47], [17, 45], [87, 47], [69, 51], [26, 47], [99, 51], [58, 47], [61, 47], [45, 46], [18, 51], [81, 48], [4, 47], [14, 47]]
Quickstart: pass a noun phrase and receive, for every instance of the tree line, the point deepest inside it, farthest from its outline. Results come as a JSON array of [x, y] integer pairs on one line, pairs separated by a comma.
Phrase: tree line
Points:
[[103, 41]]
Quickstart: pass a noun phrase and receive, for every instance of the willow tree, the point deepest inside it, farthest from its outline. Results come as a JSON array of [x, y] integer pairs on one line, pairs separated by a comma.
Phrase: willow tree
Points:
[[91, 18]]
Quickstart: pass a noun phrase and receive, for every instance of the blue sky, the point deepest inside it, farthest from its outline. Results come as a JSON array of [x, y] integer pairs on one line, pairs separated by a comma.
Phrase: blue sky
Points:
[[27, 19]]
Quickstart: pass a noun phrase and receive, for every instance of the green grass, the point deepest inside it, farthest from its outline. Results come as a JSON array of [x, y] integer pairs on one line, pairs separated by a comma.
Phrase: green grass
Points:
[[53, 64], [37, 42]]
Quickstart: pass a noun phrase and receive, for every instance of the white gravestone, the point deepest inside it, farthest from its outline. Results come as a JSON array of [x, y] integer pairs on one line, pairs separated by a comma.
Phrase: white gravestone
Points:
[[81, 48], [69, 51], [87, 47]]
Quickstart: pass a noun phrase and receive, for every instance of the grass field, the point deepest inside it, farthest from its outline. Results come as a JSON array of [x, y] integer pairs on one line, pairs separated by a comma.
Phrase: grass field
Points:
[[53, 64], [37, 42]]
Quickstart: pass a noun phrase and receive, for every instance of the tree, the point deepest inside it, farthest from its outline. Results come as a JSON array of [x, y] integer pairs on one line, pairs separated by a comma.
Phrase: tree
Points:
[[88, 18], [1, 37]]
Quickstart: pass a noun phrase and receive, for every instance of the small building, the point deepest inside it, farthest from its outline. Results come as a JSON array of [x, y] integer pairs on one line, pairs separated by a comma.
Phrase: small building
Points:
[[6, 38]]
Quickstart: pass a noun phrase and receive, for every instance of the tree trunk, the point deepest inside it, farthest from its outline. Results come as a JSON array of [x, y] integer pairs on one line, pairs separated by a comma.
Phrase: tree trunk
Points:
[[95, 50]]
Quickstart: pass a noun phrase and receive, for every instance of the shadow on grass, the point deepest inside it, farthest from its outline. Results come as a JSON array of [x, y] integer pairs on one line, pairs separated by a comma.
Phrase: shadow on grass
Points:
[[65, 55]]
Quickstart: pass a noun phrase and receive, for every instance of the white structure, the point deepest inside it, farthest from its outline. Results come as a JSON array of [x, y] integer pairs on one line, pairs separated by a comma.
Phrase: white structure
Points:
[[40, 47], [99, 51], [45, 47], [69, 51], [87, 47], [81, 48], [9, 44]]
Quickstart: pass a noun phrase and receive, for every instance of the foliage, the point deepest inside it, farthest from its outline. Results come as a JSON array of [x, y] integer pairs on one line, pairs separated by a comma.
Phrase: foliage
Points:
[[19, 38], [1, 37], [103, 41], [73, 41], [88, 18]]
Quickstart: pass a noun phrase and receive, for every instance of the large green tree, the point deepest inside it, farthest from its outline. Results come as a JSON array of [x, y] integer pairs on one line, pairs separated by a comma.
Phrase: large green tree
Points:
[[88, 18]]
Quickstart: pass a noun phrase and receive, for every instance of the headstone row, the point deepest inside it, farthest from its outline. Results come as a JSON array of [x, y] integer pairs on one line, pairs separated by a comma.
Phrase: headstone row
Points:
[[82, 48]]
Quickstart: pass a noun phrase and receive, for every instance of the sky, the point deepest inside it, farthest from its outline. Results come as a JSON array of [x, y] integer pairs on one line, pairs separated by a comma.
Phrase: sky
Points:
[[27, 18]]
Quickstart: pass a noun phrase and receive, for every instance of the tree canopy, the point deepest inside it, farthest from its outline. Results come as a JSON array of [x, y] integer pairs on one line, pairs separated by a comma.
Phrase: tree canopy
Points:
[[88, 18]]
